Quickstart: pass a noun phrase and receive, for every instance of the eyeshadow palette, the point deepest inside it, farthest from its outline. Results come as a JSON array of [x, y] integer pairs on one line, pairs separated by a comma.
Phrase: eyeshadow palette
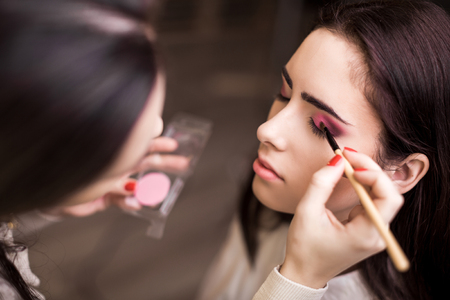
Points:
[[158, 191]]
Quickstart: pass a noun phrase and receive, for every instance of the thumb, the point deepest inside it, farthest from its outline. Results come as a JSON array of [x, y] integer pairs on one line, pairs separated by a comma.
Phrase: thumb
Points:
[[125, 186], [322, 185]]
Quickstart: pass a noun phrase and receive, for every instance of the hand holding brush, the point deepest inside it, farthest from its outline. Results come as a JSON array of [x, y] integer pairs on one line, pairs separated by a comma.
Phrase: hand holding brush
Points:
[[319, 246], [394, 250]]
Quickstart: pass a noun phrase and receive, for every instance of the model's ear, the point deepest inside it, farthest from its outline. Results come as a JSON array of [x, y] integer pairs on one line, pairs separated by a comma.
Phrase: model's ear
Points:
[[408, 173]]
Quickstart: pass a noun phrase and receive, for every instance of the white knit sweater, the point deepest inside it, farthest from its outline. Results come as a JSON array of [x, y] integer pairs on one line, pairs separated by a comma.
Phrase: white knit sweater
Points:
[[232, 277]]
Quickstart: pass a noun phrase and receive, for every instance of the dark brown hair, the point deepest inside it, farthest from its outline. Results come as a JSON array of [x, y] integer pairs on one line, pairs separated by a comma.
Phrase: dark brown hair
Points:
[[71, 90], [406, 49]]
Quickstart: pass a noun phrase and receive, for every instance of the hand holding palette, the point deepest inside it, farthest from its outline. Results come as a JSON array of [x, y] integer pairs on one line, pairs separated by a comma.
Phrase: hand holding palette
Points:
[[158, 191]]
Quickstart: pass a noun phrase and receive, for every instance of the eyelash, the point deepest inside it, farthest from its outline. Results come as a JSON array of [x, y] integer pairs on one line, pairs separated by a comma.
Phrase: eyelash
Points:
[[311, 123], [282, 98], [314, 128]]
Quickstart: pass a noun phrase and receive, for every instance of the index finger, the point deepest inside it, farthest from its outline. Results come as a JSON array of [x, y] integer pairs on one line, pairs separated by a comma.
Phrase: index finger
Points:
[[361, 160], [384, 193], [375, 178], [163, 144]]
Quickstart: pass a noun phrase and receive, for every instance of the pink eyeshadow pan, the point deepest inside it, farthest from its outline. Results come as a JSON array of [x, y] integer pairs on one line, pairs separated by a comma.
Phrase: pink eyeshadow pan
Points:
[[152, 188]]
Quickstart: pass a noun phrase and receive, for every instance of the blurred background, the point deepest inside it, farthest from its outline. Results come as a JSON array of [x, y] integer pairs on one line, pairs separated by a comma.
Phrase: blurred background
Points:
[[223, 60]]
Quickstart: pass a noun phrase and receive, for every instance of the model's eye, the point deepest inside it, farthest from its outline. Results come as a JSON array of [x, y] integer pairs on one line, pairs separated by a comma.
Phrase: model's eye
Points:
[[282, 98], [314, 128]]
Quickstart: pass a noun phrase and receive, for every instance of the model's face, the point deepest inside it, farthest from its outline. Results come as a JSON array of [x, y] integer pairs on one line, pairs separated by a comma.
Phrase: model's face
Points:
[[320, 84], [148, 126]]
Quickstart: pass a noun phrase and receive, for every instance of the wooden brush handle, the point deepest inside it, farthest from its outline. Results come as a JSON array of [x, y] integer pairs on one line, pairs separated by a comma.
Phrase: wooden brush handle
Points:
[[394, 250]]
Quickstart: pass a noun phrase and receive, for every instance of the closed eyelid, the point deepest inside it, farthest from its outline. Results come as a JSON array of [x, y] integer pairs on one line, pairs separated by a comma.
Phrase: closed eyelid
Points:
[[334, 128], [283, 92]]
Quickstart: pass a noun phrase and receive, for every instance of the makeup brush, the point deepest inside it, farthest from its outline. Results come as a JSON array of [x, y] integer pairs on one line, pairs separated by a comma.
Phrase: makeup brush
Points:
[[394, 250]]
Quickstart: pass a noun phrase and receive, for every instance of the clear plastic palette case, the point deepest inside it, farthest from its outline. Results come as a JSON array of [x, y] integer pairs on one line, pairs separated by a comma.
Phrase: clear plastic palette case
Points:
[[158, 191]]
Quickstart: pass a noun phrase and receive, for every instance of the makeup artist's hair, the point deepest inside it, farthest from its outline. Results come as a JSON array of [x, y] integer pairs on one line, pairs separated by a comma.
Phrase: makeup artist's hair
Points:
[[74, 77]]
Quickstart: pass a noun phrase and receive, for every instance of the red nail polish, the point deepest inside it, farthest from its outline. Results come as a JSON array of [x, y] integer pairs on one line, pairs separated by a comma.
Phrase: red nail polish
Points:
[[130, 186], [350, 149], [360, 169], [335, 160]]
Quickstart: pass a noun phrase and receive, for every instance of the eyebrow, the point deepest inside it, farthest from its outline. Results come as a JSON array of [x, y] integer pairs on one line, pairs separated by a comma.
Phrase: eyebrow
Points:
[[286, 76], [312, 100]]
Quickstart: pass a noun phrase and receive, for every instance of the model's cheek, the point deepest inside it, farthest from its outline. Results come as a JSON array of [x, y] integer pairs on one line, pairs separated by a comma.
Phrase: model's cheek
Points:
[[342, 200], [274, 197]]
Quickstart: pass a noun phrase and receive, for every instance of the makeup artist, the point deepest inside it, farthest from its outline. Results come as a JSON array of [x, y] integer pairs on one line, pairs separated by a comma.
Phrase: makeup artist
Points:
[[82, 91], [81, 96]]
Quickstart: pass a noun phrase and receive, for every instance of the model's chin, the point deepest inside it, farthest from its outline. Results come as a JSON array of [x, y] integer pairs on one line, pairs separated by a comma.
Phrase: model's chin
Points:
[[267, 196]]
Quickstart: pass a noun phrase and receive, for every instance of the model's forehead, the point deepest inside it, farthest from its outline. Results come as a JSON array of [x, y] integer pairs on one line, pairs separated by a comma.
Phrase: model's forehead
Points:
[[325, 66]]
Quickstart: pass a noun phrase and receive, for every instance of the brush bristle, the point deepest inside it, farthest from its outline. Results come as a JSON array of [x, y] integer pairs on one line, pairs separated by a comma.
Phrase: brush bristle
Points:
[[322, 126], [329, 136]]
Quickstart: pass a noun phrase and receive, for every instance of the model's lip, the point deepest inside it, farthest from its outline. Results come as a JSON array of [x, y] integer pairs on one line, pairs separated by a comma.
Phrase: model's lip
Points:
[[268, 166]]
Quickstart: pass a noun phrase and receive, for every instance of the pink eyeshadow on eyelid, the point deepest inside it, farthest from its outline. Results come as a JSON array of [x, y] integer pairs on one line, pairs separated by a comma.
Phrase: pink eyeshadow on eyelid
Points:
[[334, 128]]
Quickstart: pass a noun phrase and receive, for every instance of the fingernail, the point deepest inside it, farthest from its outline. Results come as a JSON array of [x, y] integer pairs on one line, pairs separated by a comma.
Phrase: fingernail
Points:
[[350, 149], [335, 160], [132, 202], [360, 169], [130, 186]]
